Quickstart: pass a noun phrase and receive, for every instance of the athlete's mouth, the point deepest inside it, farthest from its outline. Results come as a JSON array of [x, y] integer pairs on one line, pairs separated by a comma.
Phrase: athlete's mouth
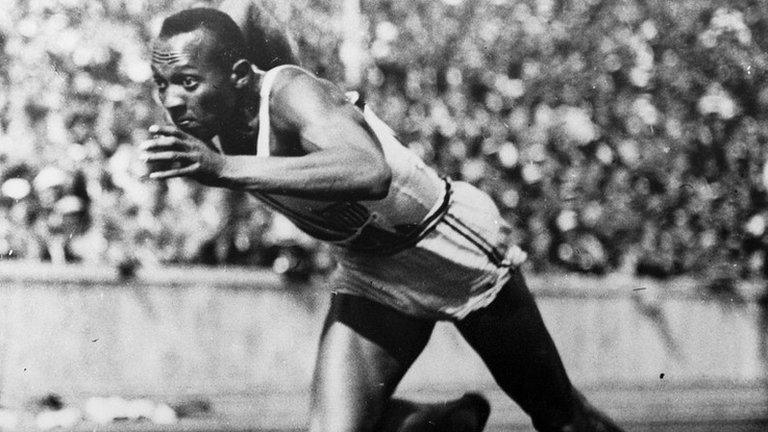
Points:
[[192, 127], [185, 123]]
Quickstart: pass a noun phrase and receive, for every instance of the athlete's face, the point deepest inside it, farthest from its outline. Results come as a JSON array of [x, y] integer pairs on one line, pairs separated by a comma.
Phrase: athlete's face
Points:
[[196, 93]]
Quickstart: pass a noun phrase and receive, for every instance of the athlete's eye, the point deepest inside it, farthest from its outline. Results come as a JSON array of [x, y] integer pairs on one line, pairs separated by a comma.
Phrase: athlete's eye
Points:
[[190, 82]]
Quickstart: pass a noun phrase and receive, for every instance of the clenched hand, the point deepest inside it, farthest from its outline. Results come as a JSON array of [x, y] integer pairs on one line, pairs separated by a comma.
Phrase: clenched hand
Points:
[[173, 153]]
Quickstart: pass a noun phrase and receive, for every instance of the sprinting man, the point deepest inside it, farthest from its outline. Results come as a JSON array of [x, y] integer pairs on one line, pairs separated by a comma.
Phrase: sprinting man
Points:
[[412, 247]]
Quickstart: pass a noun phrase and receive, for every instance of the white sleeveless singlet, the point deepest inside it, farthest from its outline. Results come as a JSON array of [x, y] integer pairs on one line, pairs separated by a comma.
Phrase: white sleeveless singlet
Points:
[[443, 265], [414, 201]]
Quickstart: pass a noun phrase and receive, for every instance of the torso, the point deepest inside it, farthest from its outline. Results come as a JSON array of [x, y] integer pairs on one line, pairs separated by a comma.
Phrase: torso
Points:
[[415, 191], [458, 263]]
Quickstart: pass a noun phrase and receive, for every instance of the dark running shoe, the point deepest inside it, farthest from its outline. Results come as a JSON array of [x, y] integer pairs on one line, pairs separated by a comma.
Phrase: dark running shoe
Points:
[[586, 418], [467, 414]]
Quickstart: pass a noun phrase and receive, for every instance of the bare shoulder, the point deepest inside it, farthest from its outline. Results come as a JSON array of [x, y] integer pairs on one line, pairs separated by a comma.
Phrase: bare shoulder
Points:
[[298, 96]]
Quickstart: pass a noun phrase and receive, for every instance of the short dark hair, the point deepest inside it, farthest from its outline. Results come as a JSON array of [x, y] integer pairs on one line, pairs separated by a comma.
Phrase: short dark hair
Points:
[[230, 42]]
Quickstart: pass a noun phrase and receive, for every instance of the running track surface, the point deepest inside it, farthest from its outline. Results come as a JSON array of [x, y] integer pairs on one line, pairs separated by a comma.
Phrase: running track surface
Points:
[[754, 425], [721, 409]]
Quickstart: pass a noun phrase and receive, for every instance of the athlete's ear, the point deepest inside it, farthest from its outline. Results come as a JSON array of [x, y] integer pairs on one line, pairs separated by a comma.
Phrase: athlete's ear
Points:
[[241, 74]]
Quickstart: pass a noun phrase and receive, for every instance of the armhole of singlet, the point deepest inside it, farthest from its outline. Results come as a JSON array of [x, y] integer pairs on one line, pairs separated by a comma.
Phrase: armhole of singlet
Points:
[[262, 140]]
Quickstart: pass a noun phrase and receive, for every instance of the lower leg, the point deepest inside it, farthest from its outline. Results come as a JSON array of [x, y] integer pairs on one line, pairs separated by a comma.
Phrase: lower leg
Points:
[[365, 349], [513, 341]]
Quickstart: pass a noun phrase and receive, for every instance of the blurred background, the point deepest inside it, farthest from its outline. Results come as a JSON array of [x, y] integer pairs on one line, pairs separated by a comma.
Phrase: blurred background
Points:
[[624, 140]]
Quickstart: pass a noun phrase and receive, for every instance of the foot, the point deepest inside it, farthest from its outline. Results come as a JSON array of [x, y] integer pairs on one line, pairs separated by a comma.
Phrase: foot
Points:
[[585, 418], [467, 414]]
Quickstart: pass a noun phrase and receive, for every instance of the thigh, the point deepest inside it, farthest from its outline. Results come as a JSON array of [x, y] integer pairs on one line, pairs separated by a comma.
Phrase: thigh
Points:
[[512, 340], [365, 350]]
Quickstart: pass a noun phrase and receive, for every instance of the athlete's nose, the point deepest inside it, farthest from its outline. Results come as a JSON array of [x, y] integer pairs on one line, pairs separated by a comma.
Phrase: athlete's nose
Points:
[[173, 101]]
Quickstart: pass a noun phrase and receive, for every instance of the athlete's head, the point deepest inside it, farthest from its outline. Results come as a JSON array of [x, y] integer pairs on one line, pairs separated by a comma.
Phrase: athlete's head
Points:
[[199, 67]]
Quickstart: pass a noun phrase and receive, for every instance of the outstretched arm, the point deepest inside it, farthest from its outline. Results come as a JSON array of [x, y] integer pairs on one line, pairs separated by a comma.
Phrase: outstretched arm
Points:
[[342, 159]]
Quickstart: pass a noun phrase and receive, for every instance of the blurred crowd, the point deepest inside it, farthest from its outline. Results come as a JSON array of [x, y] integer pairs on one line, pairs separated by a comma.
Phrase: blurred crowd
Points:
[[615, 135]]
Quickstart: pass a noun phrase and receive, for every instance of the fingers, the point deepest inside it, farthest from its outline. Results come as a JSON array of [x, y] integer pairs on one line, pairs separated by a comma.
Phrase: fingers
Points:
[[164, 154], [166, 130], [159, 144], [176, 172], [168, 156], [162, 143], [172, 153]]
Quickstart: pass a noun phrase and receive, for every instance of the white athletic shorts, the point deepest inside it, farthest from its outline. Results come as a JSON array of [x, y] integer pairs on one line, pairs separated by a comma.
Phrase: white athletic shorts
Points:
[[457, 268]]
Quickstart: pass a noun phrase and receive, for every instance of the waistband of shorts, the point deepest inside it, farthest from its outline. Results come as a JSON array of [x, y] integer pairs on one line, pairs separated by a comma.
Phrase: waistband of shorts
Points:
[[427, 225]]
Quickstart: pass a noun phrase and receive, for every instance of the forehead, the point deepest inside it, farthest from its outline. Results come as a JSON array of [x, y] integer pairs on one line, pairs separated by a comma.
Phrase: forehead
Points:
[[191, 49]]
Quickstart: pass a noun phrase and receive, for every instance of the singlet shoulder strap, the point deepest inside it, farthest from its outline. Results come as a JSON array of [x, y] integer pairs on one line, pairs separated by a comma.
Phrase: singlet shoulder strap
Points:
[[262, 140]]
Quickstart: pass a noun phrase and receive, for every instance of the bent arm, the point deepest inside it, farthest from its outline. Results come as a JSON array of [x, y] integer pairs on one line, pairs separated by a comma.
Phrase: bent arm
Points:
[[342, 159]]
